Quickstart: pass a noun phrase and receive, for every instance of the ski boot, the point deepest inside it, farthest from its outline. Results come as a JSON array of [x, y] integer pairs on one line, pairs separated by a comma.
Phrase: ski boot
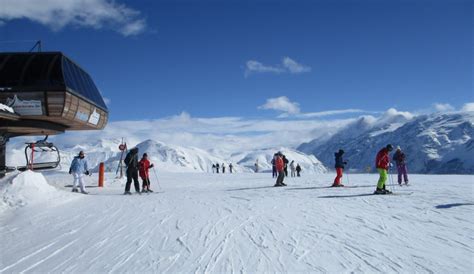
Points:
[[75, 190], [127, 193], [380, 191], [84, 192], [144, 190], [149, 190]]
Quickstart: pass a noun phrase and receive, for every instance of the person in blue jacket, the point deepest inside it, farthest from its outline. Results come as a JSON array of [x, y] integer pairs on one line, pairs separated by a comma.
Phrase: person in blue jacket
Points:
[[78, 169]]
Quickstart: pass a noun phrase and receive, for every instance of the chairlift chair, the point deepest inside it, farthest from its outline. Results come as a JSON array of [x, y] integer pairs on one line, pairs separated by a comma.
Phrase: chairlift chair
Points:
[[41, 147]]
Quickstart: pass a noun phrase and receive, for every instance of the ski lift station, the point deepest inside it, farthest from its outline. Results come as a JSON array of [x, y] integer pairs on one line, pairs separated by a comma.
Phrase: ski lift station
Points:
[[45, 93]]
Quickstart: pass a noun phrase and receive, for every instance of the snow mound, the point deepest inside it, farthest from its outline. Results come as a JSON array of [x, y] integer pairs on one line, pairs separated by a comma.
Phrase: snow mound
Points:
[[27, 188]]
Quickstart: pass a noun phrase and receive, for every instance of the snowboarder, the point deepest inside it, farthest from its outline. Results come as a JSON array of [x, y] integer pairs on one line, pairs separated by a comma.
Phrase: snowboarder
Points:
[[131, 160], [217, 168], [286, 165], [340, 163], [231, 167], [223, 168], [213, 167], [293, 169], [280, 166], [144, 166], [274, 169], [78, 169], [382, 163], [298, 170], [399, 158]]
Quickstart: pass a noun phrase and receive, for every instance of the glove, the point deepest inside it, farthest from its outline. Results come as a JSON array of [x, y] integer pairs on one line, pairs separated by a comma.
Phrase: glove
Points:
[[151, 166], [345, 163], [87, 172], [70, 171]]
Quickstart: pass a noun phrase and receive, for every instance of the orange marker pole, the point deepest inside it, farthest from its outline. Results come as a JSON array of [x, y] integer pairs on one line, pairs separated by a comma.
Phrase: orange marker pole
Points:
[[101, 174]]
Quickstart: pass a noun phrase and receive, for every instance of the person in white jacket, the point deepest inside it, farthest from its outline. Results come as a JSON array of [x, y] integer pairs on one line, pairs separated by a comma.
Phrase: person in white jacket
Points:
[[293, 169], [78, 169]]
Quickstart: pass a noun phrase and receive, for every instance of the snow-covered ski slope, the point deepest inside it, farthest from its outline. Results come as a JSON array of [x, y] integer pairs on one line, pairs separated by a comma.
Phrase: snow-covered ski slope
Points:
[[225, 223]]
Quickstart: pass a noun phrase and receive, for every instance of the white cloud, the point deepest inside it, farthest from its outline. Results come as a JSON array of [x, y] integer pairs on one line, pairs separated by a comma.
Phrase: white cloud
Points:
[[287, 65], [228, 134], [57, 14], [443, 107], [281, 104], [330, 113], [294, 67], [253, 66], [468, 107], [392, 112]]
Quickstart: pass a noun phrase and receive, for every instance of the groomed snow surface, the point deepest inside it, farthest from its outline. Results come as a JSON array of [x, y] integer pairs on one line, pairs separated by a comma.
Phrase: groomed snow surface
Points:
[[224, 223]]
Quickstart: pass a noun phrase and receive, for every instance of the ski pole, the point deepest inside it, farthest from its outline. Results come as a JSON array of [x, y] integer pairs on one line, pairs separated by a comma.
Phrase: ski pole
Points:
[[347, 176], [156, 177], [391, 178]]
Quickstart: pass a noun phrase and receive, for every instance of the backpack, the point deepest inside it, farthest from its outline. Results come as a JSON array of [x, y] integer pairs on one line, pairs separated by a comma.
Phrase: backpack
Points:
[[128, 159]]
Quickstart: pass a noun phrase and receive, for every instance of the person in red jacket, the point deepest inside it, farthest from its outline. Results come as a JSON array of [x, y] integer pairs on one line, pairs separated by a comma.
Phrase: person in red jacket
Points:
[[280, 167], [382, 163], [144, 166]]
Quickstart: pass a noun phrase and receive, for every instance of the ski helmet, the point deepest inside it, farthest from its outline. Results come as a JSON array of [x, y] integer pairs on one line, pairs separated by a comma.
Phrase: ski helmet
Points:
[[389, 147], [341, 151]]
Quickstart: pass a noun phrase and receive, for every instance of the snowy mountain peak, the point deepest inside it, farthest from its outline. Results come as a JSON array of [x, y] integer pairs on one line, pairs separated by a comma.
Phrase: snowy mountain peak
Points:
[[435, 143]]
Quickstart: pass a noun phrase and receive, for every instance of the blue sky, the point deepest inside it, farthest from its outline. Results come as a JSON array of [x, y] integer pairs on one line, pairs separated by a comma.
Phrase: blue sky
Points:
[[155, 59]]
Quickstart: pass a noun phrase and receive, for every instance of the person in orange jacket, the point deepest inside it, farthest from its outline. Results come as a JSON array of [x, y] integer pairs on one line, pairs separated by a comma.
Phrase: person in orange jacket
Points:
[[280, 167], [144, 166]]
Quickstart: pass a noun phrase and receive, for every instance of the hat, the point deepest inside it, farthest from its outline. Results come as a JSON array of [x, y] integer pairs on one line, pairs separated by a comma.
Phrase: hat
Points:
[[81, 152], [341, 151], [389, 147], [399, 148], [145, 155]]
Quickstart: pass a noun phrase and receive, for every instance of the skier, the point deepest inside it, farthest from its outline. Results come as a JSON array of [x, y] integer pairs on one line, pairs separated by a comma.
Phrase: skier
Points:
[[382, 163], [223, 168], [217, 168], [399, 158], [144, 166], [213, 167], [286, 165], [231, 167], [78, 169], [293, 169], [340, 163], [274, 169], [256, 166], [280, 166], [298, 170], [131, 160]]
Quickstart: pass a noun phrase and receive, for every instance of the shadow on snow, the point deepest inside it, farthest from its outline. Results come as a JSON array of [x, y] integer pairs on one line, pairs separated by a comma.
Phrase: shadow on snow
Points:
[[452, 205]]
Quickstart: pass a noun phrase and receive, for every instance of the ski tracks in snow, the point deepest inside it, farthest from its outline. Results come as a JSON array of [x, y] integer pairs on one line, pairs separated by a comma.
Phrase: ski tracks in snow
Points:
[[200, 226]]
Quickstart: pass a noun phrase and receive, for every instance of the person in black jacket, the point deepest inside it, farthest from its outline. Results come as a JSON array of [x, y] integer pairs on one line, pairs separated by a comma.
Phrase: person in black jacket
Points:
[[298, 170], [400, 159], [274, 169], [340, 163], [286, 161], [131, 160]]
